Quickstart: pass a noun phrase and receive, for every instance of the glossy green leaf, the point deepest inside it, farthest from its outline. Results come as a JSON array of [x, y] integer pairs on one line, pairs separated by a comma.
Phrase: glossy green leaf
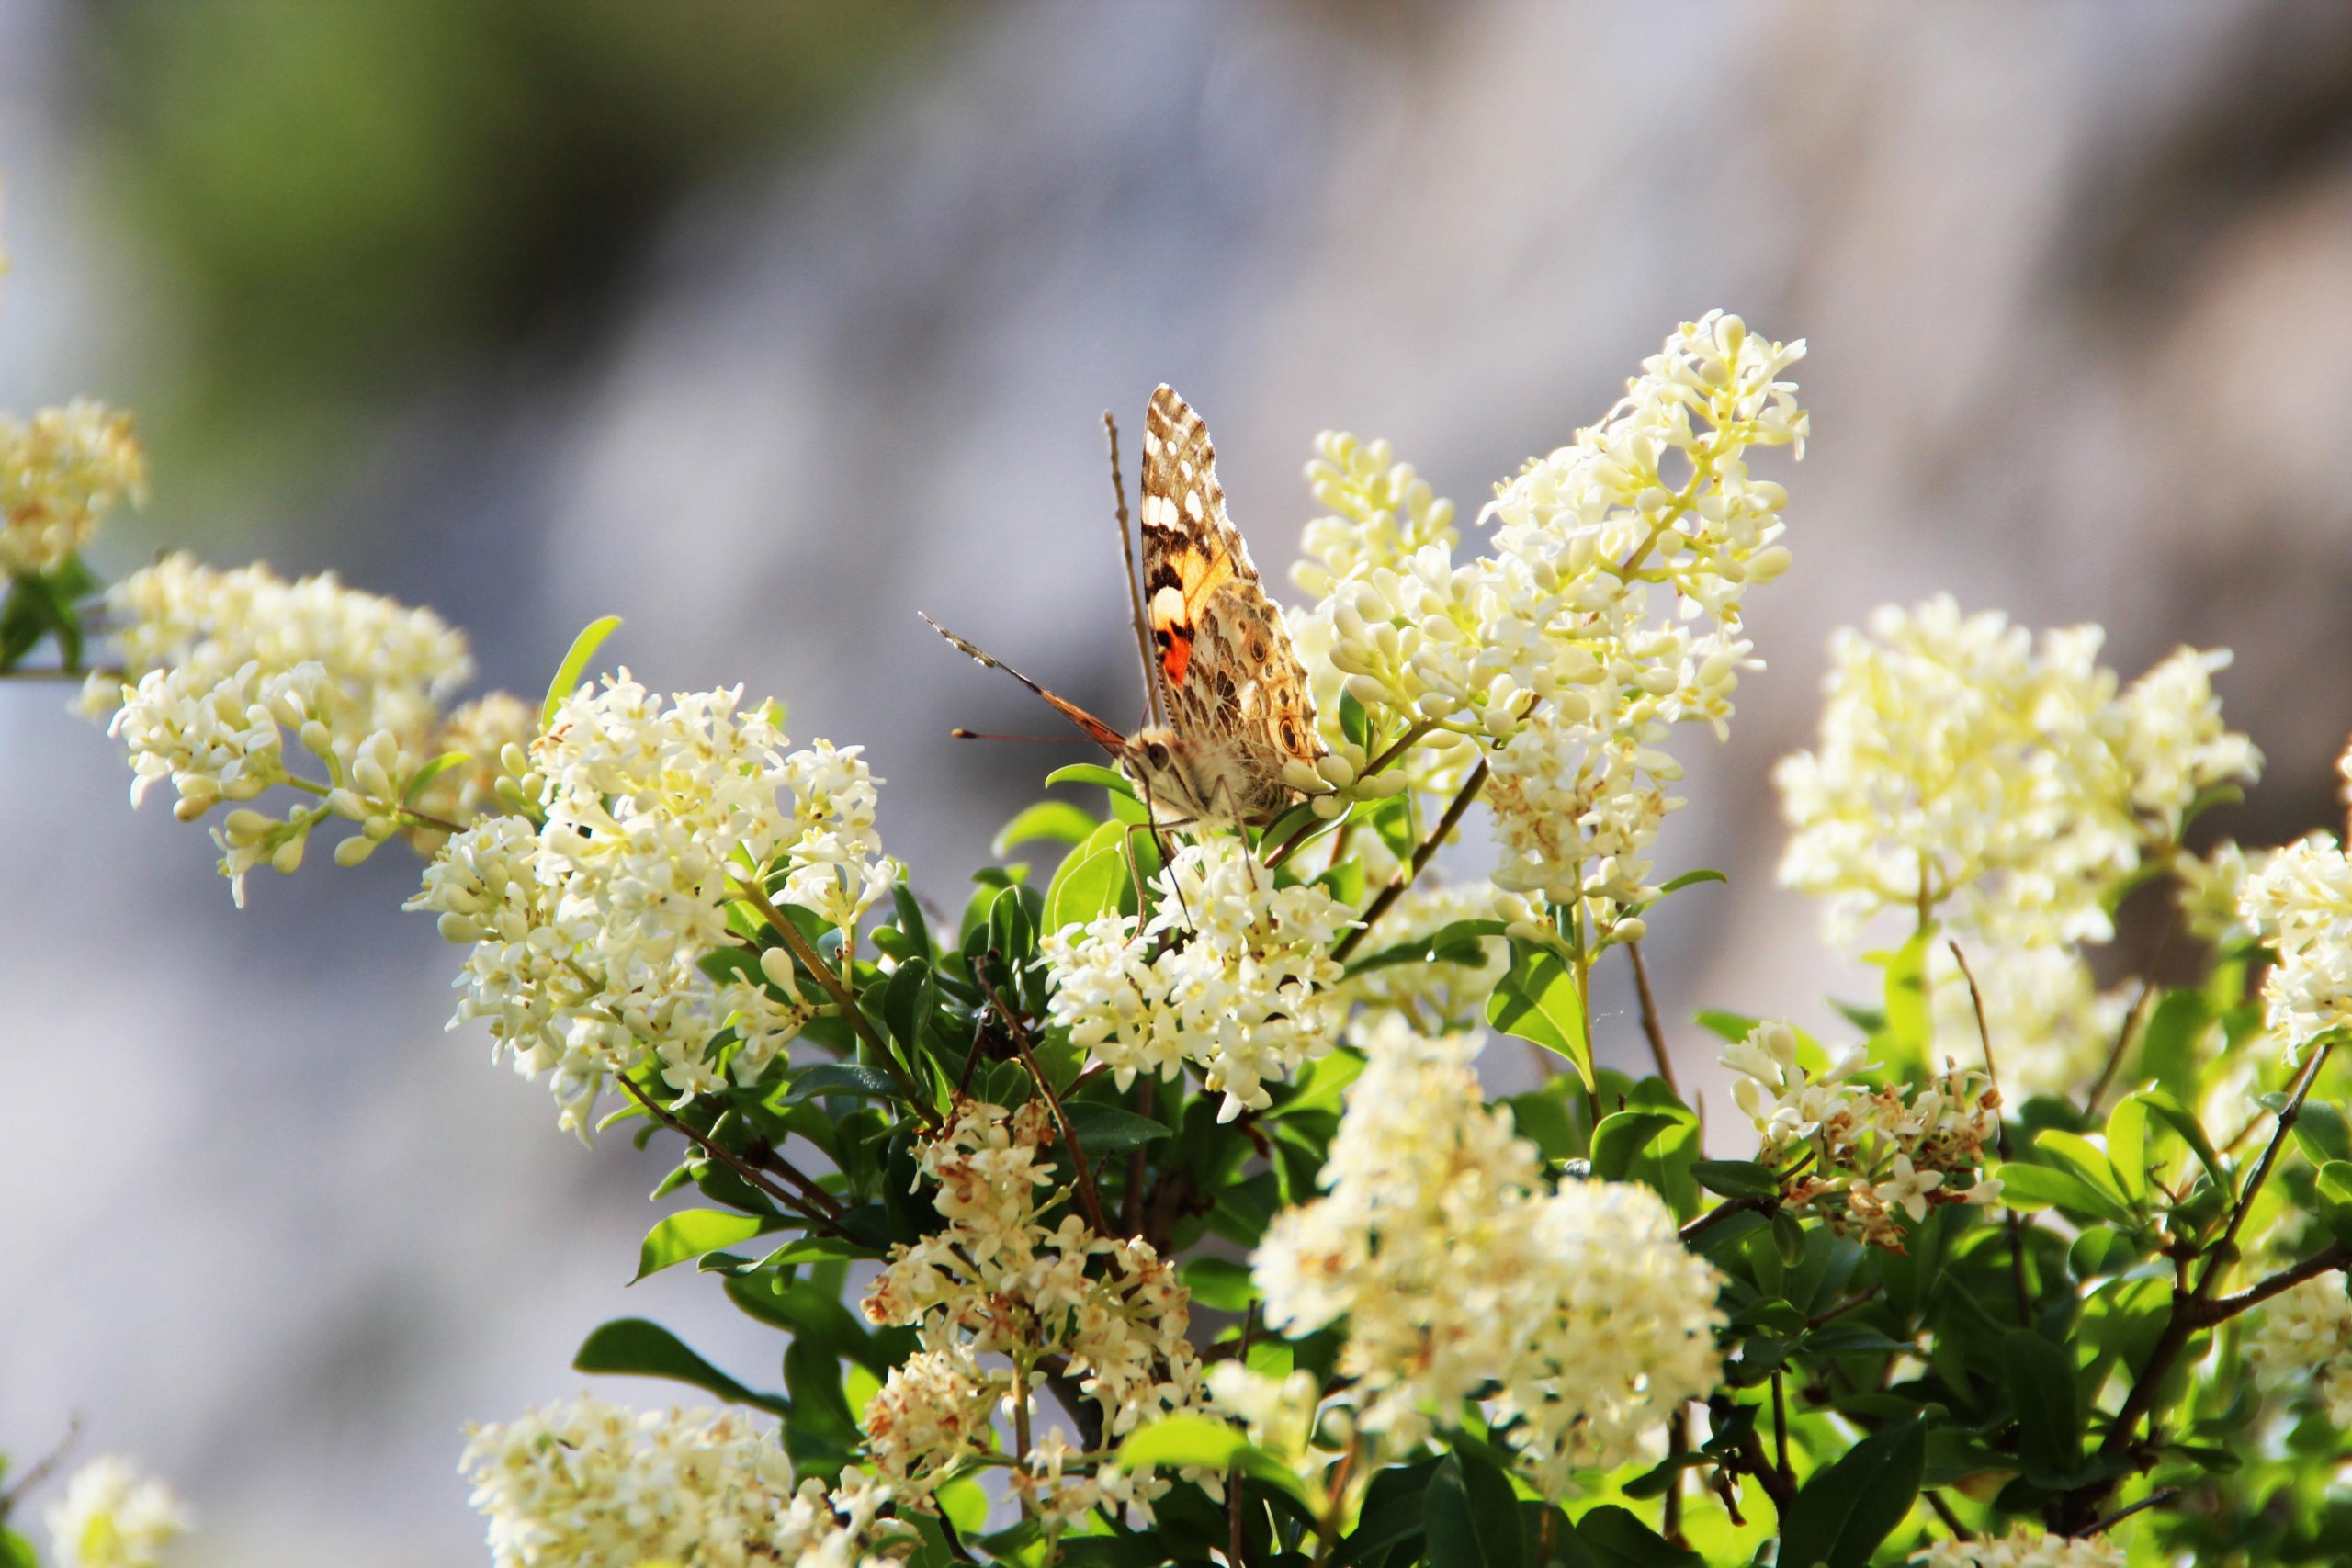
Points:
[[424, 776], [1219, 1283], [2168, 1110], [2083, 1157], [1621, 1137], [690, 1233], [1092, 773], [1616, 1536], [1057, 820], [2323, 1133], [1470, 1517], [1842, 1515], [842, 1077], [16, 1552], [2026, 1188], [567, 674], [2127, 1147], [1735, 1178], [1729, 1027], [1537, 1000], [1185, 1439], [1089, 882], [2040, 1376], [632, 1346], [1112, 1129]]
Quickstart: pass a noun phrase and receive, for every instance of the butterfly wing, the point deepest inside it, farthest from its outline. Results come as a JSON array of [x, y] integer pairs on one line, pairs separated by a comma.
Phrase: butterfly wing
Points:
[[1238, 695]]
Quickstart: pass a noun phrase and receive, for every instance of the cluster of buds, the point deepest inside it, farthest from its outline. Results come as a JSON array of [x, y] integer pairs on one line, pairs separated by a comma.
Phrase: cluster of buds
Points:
[[1856, 1154]]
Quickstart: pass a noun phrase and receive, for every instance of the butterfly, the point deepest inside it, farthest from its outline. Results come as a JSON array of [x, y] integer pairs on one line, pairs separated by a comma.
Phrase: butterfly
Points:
[[1229, 700]]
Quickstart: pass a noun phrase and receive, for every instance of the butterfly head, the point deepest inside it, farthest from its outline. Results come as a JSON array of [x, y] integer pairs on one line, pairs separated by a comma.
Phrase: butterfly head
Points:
[[1159, 761]]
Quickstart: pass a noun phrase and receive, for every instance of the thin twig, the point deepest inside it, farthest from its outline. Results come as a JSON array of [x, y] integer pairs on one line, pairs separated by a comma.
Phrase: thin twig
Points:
[[2156, 1499], [1722, 1212], [1780, 1432], [842, 996], [2135, 1018], [1650, 1025], [41, 1472], [2220, 1309], [736, 1163], [1412, 868], [1090, 1198], [50, 672], [1943, 1511], [1842, 1308], [2001, 1135]]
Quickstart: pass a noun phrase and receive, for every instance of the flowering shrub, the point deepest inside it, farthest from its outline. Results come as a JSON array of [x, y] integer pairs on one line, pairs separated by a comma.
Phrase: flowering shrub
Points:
[[1181, 1227]]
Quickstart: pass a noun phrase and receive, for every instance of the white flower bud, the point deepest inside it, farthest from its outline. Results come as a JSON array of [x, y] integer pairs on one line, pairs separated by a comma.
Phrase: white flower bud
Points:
[[378, 828], [777, 964], [1301, 776], [316, 738], [353, 849], [188, 808], [346, 804], [288, 856], [370, 777], [456, 927], [244, 826], [1335, 770]]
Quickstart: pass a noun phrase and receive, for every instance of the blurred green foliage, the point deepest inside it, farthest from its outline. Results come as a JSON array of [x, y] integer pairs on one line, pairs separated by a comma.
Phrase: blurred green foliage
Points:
[[336, 198]]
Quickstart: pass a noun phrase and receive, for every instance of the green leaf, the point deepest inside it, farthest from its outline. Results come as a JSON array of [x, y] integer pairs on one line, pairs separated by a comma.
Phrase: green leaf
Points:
[[1620, 1138], [1088, 884], [567, 674], [2042, 1387], [1470, 1517], [1907, 1023], [907, 1002], [2085, 1158], [1844, 1511], [1219, 1283], [2127, 1147], [2168, 1040], [1616, 1538], [1730, 1027], [2336, 1181], [690, 1233], [2100, 1250], [842, 1077], [1057, 820], [1735, 1178], [1544, 1120], [431, 770], [1788, 1238], [16, 1552], [1394, 1509], [2323, 1131], [2183, 1120], [1092, 773], [1185, 1440], [632, 1346], [2030, 1186], [1537, 1000], [1112, 1129], [1689, 879]]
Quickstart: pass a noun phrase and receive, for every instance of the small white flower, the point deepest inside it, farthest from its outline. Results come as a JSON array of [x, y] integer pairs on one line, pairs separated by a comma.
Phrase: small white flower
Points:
[[2024, 1546], [110, 1516], [60, 474]]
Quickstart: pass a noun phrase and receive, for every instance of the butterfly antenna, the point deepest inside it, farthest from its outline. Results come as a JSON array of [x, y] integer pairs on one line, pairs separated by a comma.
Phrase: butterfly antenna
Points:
[[962, 734], [1101, 734], [1153, 696]]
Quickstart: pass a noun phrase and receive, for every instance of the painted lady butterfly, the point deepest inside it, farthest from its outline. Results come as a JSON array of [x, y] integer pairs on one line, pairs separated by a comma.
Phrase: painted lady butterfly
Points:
[[1227, 693]]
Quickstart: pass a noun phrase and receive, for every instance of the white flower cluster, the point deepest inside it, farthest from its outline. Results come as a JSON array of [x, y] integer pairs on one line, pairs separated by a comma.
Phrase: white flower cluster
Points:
[[588, 929], [2050, 1025], [223, 664], [1435, 996], [1456, 1270], [61, 473], [2300, 1346], [111, 1515], [590, 1484], [997, 1280], [2024, 1546], [1859, 1154], [1553, 652], [1230, 974], [2300, 903], [1965, 771]]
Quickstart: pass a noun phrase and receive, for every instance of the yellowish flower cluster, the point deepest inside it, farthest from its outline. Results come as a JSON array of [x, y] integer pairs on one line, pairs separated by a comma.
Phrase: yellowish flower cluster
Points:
[[590, 1484], [1231, 973], [2301, 904], [1965, 772], [999, 1281], [1569, 653], [2301, 1347], [60, 472], [2024, 1546], [1455, 1272], [1857, 1154], [220, 666], [588, 929], [111, 1515]]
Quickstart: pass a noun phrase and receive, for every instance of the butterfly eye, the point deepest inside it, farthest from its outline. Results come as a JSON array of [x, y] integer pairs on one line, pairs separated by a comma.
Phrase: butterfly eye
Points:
[[1157, 754]]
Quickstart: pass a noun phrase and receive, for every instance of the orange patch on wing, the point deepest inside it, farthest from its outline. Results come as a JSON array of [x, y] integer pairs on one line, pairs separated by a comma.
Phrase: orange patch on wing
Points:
[[1177, 657]]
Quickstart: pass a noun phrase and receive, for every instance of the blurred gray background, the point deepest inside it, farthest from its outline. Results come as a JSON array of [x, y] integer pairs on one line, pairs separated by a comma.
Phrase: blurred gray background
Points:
[[763, 325]]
